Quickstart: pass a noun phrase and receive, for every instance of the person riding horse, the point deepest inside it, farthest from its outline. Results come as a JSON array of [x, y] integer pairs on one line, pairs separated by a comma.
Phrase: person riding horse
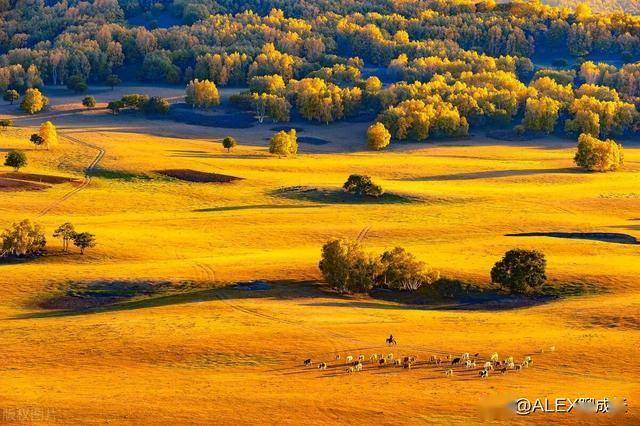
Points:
[[391, 340]]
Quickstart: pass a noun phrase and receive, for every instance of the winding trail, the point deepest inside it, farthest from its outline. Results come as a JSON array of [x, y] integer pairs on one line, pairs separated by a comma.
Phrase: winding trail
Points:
[[87, 177]]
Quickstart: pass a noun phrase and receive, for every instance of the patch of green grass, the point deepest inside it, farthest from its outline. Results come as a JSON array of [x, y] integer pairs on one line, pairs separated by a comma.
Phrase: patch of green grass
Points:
[[118, 174]]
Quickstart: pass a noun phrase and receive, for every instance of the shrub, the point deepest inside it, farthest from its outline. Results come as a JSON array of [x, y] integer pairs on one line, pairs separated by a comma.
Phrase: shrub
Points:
[[23, 239], [400, 270], [156, 105], [346, 267], [284, 144], [229, 143], [89, 102], [16, 159], [6, 122], [115, 106], [597, 155], [378, 137], [520, 270], [36, 139], [135, 101], [362, 185]]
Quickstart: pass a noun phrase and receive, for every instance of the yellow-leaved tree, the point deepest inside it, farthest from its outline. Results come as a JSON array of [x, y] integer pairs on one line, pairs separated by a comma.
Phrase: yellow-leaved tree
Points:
[[49, 135], [202, 94], [598, 155], [378, 137], [284, 144]]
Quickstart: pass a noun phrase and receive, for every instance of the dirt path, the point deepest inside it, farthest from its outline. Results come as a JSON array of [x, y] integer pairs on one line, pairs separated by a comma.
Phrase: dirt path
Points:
[[85, 181]]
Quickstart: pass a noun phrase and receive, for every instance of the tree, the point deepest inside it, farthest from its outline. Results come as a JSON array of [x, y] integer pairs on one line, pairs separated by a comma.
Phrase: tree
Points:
[[34, 101], [541, 114], [66, 232], [16, 159], [363, 185], [400, 270], [84, 240], [229, 143], [346, 267], [5, 122], [77, 83], [284, 144], [597, 155], [49, 134], [89, 102], [36, 139], [520, 271], [115, 106], [113, 81], [11, 96], [202, 94], [156, 105], [378, 137], [23, 239]]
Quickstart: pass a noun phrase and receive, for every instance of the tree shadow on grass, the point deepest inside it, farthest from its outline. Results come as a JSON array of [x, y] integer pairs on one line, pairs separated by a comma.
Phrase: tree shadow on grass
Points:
[[339, 196], [493, 174], [84, 298], [255, 207], [607, 237]]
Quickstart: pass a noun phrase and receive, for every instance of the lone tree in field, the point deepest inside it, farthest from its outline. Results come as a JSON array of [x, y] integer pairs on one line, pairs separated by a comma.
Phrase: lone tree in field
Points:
[[84, 240], [113, 81], [284, 144], [34, 101], [520, 271], [23, 239], [362, 185], [347, 268], [202, 94], [49, 134], [229, 143], [16, 159], [378, 137], [37, 140], [5, 122], [115, 106], [89, 102], [11, 96], [597, 155], [66, 232]]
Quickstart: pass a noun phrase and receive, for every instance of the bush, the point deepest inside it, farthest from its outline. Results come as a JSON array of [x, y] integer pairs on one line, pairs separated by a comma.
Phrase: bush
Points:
[[89, 102], [363, 185], [16, 159], [520, 271], [229, 143], [23, 239], [115, 106], [156, 105], [400, 270], [597, 155], [6, 122], [378, 137], [346, 267], [284, 144]]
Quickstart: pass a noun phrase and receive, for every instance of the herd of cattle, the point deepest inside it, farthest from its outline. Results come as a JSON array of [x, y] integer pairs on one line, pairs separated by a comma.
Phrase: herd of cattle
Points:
[[449, 363]]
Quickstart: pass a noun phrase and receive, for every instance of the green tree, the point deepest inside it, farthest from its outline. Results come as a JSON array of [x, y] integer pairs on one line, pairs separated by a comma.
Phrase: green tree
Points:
[[77, 83], [16, 159], [363, 185], [156, 105], [84, 240], [400, 270], [11, 96], [89, 102], [37, 140], [520, 271], [34, 101], [347, 268], [113, 81], [66, 232], [228, 143], [5, 122]]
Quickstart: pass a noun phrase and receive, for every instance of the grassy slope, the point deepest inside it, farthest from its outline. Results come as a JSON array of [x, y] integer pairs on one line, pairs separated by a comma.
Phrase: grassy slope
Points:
[[200, 357]]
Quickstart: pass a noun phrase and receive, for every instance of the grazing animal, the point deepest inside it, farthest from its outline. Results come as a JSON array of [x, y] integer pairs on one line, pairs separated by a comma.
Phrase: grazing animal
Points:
[[337, 357], [350, 370], [503, 370], [391, 341], [307, 362], [360, 357], [397, 362], [484, 374], [488, 366], [511, 366], [552, 349], [510, 359], [524, 364], [494, 357], [449, 357], [465, 356], [455, 361], [467, 364], [448, 372], [406, 365], [349, 358], [382, 361], [390, 356], [373, 358], [358, 366], [518, 367], [322, 366], [476, 355]]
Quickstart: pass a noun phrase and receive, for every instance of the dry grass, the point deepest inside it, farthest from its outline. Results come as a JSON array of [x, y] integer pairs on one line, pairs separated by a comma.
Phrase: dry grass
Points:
[[234, 356]]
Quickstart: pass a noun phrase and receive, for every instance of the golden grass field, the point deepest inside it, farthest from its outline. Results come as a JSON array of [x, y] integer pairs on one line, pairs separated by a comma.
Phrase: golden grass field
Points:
[[205, 354]]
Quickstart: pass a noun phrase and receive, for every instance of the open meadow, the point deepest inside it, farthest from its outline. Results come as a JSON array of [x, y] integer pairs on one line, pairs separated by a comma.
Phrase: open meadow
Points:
[[177, 344]]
